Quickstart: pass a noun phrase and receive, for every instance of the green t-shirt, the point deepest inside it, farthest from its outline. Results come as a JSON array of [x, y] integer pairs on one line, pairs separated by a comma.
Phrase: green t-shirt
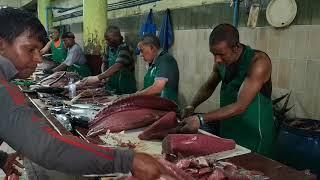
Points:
[[164, 67]]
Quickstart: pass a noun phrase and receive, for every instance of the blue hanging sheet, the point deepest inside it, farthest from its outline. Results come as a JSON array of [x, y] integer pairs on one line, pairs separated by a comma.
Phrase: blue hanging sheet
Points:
[[166, 32], [149, 27]]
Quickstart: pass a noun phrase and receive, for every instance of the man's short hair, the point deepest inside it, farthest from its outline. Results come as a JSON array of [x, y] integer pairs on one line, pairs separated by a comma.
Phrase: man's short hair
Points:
[[112, 30], [15, 21], [54, 29], [68, 35], [151, 39], [224, 32]]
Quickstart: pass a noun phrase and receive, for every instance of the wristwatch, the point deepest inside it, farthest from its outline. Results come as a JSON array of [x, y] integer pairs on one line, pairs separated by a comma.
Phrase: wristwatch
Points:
[[201, 120]]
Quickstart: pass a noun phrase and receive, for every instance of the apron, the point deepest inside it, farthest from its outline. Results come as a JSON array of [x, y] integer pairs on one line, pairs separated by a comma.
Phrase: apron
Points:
[[149, 77], [83, 70], [254, 129], [123, 81], [59, 54]]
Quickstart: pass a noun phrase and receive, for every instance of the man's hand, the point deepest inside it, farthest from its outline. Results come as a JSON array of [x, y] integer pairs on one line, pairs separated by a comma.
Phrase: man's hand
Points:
[[187, 111], [189, 125], [11, 163], [90, 80], [145, 167]]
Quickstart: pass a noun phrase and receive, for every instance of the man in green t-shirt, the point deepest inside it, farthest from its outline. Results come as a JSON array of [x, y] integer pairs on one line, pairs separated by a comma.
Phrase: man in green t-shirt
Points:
[[162, 77], [117, 65], [57, 47]]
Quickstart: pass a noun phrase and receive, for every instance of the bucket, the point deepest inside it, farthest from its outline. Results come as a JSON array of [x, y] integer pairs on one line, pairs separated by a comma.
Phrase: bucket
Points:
[[298, 144]]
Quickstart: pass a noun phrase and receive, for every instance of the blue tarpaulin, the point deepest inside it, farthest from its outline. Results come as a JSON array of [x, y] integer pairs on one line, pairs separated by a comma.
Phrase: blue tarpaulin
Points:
[[166, 32], [149, 27]]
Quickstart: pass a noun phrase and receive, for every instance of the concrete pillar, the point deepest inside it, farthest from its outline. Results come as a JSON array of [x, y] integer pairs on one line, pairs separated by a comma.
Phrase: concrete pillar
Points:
[[94, 25], [44, 15]]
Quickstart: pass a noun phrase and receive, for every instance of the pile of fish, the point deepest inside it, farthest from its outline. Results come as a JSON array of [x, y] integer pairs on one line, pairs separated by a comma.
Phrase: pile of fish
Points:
[[59, 79], [58, 82], [130, 113], [96, 99], [205, 169], [75, 115], [171, 170]]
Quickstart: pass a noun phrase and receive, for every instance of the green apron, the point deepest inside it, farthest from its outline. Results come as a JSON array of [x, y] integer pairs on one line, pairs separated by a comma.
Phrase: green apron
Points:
[[59, 54], [149, 77], [123, 81], [82, 70], [254, 129]]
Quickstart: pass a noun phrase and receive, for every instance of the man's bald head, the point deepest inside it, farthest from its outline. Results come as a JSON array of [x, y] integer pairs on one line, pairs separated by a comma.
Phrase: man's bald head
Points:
[[113, 36]]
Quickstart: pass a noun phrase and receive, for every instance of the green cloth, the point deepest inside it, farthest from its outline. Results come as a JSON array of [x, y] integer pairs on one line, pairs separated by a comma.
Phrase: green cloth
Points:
[[253, 129], [59, 54], [22, 82], [164, 66], [123, 81]]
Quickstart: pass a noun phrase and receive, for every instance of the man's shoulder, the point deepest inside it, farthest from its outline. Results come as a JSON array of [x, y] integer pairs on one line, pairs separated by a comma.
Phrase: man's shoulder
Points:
[[261, 64], [123, 45], [167, 60], [260, 55], [76, 48], [166, 57]]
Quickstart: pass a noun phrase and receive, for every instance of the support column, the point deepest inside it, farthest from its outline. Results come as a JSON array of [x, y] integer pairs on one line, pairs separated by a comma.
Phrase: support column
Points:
[[94, 25], [45, 14]]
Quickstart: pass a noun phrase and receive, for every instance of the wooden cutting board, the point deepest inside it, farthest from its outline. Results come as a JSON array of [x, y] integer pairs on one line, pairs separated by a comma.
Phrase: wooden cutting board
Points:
[[154, 147]]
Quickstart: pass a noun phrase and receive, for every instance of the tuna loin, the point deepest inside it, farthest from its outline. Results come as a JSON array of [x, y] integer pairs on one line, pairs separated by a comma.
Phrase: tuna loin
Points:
[[195, 144], [152, 102], [126, 120], [59, 79], [133, 103], [160, 128]]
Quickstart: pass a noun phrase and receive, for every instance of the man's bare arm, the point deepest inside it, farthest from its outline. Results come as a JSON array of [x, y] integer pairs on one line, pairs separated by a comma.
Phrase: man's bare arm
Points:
[[259, 74]]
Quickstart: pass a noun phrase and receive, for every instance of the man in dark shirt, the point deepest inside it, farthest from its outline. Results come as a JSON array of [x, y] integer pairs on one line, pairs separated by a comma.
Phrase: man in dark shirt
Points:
[[117, 65]]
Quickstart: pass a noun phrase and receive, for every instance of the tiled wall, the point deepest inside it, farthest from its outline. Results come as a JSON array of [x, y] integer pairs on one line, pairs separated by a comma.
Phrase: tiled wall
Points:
[[77, 29], [295, 56]]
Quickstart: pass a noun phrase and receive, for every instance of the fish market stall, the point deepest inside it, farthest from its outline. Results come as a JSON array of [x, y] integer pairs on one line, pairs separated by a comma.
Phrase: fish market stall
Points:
[[145, 124]]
